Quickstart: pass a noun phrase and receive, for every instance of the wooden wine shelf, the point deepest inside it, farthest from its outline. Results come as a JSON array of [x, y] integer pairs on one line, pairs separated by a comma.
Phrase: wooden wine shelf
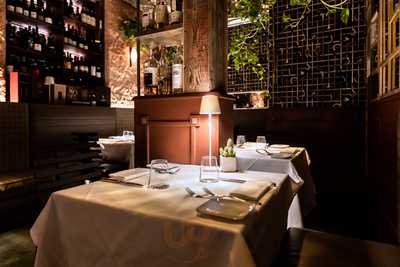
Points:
[[169, 35], [32, 53], [78, 23], [21, 19]]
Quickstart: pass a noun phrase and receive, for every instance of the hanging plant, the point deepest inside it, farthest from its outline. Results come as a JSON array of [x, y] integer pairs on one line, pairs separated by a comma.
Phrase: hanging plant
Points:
[[243, 51], [130, 29]]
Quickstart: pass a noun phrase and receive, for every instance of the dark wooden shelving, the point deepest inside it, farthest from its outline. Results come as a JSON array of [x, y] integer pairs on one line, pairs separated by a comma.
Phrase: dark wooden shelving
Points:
[[21, 19], [168, 35], [90, 53], [32, 53], [79, 23]]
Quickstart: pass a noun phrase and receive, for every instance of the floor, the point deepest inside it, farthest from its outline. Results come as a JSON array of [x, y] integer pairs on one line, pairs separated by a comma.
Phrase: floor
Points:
[[16, 248]]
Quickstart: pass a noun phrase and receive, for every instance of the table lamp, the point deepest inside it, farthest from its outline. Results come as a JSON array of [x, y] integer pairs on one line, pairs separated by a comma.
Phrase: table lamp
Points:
[[49, 81], [210, 106]]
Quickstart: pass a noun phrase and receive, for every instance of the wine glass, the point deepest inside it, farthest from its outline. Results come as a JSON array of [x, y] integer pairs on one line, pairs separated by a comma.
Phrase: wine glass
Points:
[[157, 165], [240, 140], [261, 139], [209, 170]]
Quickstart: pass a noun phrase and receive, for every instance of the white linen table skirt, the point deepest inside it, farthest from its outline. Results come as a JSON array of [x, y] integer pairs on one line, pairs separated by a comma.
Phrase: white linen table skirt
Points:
[[104, 224], [298, 168], [116, 150]]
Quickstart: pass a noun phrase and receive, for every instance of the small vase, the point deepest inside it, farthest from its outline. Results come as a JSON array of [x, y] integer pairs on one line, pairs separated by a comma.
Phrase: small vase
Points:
[[228, 164]]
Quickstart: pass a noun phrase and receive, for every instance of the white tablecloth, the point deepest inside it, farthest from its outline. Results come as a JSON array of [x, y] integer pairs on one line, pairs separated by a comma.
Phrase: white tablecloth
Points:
[[118, 150], [298, 168], [105, 224]]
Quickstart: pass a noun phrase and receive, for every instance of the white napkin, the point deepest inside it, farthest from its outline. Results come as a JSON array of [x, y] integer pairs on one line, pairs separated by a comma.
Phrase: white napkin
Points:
[[252, 190], [130, 174]]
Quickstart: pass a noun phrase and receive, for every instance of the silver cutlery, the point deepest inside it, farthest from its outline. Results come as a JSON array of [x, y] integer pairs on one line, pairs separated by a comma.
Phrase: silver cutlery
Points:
[[240, 181], [194, 194], [219, 197]]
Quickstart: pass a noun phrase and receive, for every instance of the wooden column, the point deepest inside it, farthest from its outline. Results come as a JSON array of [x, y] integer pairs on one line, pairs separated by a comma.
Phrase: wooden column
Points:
[[205, 45]]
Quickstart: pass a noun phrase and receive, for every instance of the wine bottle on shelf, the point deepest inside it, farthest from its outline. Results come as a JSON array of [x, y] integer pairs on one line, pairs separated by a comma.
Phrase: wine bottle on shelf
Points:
[[40, 11], [161, 14], [11, 5], [33, 9], [177, 73], [176, 15], [37, 45], [150, 75], [47, 14], [26, 6], [19, 7], [98, 73]]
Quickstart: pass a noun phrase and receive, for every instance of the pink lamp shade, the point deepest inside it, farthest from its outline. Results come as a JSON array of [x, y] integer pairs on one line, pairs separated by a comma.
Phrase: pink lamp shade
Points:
[[210, 105]]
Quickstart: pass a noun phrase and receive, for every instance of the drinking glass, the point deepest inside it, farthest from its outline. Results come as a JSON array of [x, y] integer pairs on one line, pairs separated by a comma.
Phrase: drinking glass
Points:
[[261, 139], [157, 165], [209, 170], [240, 140]]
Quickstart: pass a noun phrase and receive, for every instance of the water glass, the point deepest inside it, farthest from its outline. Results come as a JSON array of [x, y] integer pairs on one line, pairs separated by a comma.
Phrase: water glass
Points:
[[209, 169], [261, 139], [157, 165], [240, 140]]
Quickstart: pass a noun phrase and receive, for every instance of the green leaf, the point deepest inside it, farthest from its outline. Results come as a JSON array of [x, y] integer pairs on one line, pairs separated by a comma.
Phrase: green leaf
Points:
[[344, 16]]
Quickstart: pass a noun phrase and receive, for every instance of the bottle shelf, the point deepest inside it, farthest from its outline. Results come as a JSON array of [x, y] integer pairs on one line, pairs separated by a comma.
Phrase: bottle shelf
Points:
[[32, 53], [21, 19], [169, 35], [246, 92], [79, 23], [77, 50]]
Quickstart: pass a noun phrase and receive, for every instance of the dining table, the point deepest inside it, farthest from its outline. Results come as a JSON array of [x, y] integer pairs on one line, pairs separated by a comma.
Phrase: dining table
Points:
[[109, 223], [253, 156]]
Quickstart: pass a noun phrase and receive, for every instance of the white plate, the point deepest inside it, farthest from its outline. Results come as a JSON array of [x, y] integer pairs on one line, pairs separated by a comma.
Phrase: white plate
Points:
[[282, 155], [279, 146], [226, 208]]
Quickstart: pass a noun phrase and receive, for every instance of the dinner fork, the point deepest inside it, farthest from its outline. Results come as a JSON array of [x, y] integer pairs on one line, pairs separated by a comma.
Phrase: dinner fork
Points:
[[219, 197]]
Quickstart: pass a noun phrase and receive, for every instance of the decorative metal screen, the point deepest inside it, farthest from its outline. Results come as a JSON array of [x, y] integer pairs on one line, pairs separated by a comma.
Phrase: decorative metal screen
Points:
[[319, 64]]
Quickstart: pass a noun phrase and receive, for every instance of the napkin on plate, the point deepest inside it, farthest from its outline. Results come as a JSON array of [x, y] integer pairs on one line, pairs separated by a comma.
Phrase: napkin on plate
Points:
[[252, 190], [130, 174]]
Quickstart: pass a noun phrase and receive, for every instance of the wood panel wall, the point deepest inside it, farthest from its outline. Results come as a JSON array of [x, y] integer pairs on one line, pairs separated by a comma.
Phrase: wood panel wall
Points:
[[52, 125], [14, 137], [125, 120], [333, 138], [384, 166]]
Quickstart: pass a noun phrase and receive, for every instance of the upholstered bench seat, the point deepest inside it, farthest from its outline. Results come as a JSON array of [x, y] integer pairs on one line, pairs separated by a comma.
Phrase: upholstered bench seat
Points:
[[16, 179], [309, 248]]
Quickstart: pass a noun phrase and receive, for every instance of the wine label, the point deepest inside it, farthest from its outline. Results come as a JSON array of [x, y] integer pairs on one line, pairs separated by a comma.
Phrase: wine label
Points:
[[68, 65], [154, 75], [48, 20], [93, 71], [26, 12], [37, 47], [19, 10], [98, 74], [177, 77], [11, 8], [33, 14], [176, 17], [161, 14]]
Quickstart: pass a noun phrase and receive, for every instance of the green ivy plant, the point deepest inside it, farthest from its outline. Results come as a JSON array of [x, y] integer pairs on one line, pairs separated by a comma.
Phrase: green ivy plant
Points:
[[243, 51], [130, 29]]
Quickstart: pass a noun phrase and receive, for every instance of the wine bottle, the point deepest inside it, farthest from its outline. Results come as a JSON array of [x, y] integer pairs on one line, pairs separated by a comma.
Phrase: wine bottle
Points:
[[176, 15], [33, 9], [161, 14], [11, 5], [177, 73], [26, 6], [40, 11], [47, 14], [19, 7], [151, 75]]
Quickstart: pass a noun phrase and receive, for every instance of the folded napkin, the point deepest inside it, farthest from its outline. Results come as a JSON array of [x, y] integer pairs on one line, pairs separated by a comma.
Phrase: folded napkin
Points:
[[252, 190], [130, 174]]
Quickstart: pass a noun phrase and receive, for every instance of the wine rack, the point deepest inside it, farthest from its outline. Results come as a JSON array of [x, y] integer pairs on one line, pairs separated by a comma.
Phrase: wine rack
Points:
[[34, 65], [319, 64]]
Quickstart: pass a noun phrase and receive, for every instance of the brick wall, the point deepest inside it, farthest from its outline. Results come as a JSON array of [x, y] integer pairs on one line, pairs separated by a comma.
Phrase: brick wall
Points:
[[120, 76]]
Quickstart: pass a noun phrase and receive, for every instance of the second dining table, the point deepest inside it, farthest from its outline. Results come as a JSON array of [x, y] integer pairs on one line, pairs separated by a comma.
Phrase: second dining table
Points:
[[112, 224]]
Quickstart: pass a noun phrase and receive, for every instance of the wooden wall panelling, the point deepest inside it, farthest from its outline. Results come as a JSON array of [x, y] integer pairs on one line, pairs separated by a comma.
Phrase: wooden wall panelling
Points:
[[384, 166], [179, 109], [125, 120], [332, 137], [14, 137], [52, 125]]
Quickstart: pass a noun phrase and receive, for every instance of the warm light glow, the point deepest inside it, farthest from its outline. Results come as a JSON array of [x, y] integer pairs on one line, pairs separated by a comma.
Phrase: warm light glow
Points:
[[2, 85], [133, 56], [14, 90]]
